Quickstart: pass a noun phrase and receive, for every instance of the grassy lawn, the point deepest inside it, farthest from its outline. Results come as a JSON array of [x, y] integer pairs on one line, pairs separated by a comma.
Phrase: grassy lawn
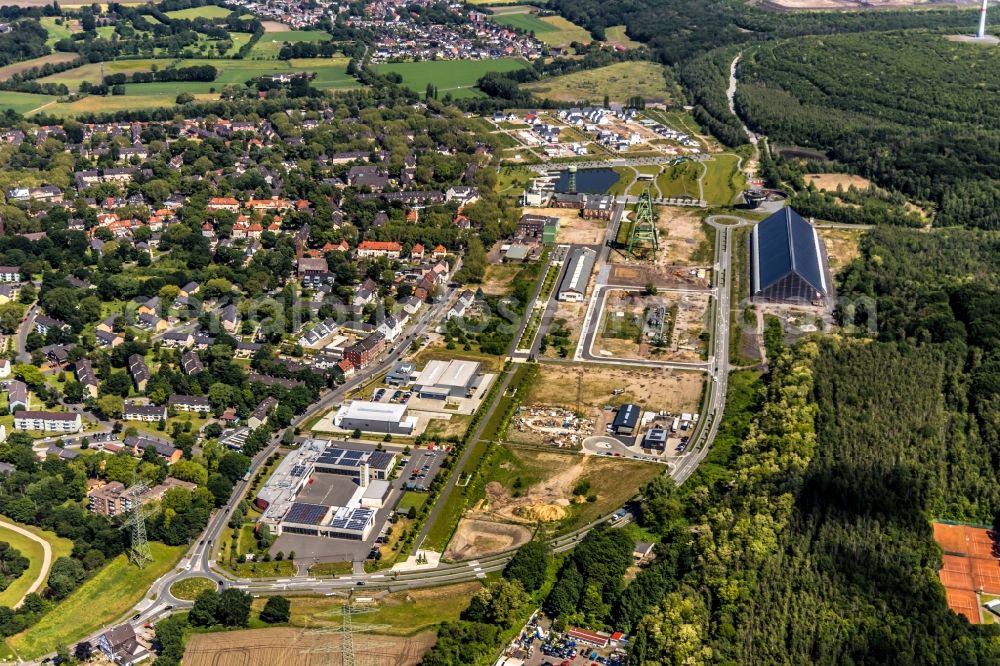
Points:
[[263, 569], [457, 77], [407, 613], [269, 46], [98, 602], [205, 11], [56, 31], [723, 180], [619, 82], [616, 35], [411, 499], [33, 551], [190, 588], [331, 569], [23, 102], [680, 180], [424, 356], [441, 428]]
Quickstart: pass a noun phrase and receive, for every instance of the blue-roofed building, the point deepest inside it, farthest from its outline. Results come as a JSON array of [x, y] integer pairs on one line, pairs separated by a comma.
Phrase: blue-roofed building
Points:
[[786, 261]]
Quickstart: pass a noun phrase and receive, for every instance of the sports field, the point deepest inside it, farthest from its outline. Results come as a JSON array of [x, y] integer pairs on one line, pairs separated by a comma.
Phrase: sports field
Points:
[[619, 82], [205, 11], [98, 602], [457, 77], [554, 30], [969, 566], [271, 42], [35, 554]]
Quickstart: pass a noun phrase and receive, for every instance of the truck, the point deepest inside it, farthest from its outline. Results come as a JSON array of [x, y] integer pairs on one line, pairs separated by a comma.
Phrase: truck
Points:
[[673, 426]]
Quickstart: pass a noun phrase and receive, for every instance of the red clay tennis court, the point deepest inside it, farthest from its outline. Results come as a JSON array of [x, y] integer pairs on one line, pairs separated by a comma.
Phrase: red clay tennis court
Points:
[[968, 567]]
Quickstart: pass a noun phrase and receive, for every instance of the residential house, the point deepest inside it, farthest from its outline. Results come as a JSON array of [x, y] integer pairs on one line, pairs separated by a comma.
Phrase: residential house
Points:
[[139, 370], [17, 395], [191, 363], [389, 249], [259, 415], [47, 421], [190, 403], [145, 413], [364, 352], [119, 644], [85, 375]]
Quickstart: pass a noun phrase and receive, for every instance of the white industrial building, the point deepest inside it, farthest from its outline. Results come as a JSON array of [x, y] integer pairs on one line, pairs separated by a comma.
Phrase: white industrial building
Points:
[[574, 282], [375, 417], [441, 380], [282, 512]]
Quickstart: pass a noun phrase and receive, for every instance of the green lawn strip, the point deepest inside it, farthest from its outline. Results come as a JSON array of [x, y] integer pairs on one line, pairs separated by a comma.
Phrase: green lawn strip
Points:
[[331, 569], [100, 601], [34, 552], [190, 588], [409, 499], [722, 182]]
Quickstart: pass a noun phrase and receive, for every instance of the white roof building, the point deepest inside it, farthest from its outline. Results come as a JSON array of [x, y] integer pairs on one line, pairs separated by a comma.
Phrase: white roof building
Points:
[[375, 417], [441, 379]]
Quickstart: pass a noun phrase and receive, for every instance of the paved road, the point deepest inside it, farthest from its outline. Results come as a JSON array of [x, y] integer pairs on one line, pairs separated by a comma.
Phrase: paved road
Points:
[[21, 340], [46, 557]]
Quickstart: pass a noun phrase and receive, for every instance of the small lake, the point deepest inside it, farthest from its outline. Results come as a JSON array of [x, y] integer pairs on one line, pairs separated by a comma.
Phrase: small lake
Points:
[[589, 181]]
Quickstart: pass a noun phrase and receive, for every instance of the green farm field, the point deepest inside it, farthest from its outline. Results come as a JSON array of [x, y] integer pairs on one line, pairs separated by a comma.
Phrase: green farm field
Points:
[[619, 82], [331, 74], [268, 47], [206, 11], [554, 30], [25, 65], [98, 602], [33, 551], [455, 76]]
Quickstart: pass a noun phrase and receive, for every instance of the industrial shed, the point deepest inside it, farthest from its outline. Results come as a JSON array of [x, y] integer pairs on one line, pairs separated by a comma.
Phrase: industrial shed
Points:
[[786, 261]]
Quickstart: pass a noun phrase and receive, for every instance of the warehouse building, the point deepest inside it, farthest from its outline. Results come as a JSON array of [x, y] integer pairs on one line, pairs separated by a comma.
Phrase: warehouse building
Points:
[[626, 419], [374, 417], [441, 380], [574, 282], [786, 261]]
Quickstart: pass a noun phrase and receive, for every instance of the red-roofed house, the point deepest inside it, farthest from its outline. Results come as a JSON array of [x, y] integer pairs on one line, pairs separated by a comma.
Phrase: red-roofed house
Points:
[[269, 204], [417, 251], [223, 203], [346, 367], [379, 249], [439, 252]]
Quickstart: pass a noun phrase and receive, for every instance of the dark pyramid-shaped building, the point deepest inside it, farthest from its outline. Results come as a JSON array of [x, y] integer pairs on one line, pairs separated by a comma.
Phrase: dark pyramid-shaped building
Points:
[[786, 260]]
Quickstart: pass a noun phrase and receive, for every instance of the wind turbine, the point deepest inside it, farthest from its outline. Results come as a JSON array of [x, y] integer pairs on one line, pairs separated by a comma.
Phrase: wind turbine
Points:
[[981, 33]]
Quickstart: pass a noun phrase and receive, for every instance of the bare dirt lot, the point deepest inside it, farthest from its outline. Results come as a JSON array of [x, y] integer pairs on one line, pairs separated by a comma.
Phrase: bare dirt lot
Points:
[[841, 246], [478, 538], [527, 487], [656, 389], [568, 317], [294, 647], [680, 233], [628, 329], [830, 181], [499, 278], [274, 26], [573, 229]]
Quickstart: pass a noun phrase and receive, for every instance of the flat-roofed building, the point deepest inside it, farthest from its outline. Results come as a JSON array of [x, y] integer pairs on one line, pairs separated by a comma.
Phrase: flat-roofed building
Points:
[[362, 466], [441, 380], [375, 417], [334, 522]]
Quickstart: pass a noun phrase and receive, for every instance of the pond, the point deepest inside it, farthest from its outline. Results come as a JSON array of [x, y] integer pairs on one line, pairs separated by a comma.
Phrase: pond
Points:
[[589, 181]]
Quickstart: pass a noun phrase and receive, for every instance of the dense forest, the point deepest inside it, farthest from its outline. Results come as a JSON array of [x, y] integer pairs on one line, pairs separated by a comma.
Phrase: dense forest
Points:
[[679, 29], [915, 112]]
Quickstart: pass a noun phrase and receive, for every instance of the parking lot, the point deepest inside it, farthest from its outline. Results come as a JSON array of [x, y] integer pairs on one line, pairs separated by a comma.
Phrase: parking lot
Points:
[[539, 645]]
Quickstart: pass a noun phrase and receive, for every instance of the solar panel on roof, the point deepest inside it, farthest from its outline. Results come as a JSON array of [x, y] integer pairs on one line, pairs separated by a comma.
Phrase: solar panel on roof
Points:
[[306, 514], [298, 470]]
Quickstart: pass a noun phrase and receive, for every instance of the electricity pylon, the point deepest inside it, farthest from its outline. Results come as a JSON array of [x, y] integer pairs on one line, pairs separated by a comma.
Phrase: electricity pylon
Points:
[[348, 630], [139, 553], [643, 234]]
